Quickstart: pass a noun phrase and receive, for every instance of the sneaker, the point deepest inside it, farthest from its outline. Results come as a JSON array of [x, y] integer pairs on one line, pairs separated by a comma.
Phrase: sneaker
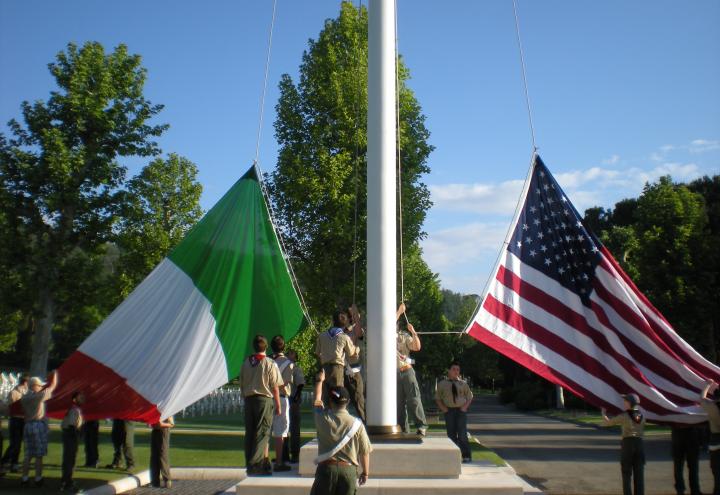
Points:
[[167, 484], [466, 460], [129, 467], [112, 466], [258, 470], [281, 467], [422, 431]]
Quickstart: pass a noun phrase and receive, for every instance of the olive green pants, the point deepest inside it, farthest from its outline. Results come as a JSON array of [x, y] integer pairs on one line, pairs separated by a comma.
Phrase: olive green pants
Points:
[[408, 401], [331, 479], [258, 420]]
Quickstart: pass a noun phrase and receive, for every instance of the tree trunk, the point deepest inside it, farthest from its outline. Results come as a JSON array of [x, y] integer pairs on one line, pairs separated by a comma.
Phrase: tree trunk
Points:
[[41, 340], [559, 397]]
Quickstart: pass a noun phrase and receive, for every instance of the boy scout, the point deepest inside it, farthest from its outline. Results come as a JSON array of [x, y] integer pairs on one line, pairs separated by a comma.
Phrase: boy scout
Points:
[[453, 396], [632, 457], [710, 406], [123, 439], [353, 367], [281, 422], [408, 391], [259, 382], [35, 434], [159, 453], [70, 426], [343, 445], [334, 348], [15, 426]]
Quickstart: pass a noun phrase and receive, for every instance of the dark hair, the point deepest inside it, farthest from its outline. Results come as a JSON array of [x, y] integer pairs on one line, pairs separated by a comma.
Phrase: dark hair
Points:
[[75, 395], [455, 363], [260, 343], [339, 396], [277, 344], [24, 378], [336, 317]]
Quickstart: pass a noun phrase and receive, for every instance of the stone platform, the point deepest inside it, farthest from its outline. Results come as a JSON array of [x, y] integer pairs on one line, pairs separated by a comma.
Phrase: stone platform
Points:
[[434, 457], [428, 468]]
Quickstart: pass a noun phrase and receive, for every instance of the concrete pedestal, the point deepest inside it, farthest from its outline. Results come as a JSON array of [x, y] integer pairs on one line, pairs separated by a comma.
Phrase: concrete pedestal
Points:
[[432, 467], [435, 457]]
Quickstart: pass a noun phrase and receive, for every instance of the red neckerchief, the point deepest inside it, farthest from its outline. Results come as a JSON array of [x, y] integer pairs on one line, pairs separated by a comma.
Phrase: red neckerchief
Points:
[[256, 358]]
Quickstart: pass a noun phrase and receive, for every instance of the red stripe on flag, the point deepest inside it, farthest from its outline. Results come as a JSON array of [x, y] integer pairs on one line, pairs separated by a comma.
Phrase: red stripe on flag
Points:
[[107, 394], [572, 354], [488, 338], [701, 368], [577, 321]]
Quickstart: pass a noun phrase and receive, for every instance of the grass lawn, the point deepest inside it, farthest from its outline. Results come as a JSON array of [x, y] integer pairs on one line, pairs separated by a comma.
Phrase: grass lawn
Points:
[[186, 449], [217, 442]]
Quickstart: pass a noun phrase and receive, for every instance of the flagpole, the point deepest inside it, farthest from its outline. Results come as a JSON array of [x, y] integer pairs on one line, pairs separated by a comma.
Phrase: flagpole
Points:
[[381, 221]]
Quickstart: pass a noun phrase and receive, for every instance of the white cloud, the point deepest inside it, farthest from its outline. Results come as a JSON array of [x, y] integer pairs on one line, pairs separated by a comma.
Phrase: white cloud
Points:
[[446, 248], [478, 198], [703, 145], [612, 160]]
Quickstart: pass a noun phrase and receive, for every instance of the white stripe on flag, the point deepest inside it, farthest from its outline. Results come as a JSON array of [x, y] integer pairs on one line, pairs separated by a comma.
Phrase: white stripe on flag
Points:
[[162, 340]]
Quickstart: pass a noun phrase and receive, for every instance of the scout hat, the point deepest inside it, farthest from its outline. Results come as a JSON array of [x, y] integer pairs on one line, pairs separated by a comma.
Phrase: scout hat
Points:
[[633, 399], [339, 395], [36, 381]]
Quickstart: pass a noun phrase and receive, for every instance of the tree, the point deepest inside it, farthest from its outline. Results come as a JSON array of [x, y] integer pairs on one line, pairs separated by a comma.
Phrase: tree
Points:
[[321, 171], [60, 175], [163, 204]]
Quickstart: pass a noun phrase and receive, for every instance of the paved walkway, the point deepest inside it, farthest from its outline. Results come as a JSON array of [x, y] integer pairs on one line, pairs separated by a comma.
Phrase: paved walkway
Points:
[[562, 458], [188, 487]]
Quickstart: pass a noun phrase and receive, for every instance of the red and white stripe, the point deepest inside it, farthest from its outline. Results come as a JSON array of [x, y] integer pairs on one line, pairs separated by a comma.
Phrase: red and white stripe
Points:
[[617, 344]]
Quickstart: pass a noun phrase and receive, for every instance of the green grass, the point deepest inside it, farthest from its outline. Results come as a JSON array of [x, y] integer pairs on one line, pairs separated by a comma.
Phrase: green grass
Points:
[[186, 449]]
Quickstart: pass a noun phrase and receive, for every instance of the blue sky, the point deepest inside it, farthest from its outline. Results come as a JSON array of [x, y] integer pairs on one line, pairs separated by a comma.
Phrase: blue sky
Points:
[[622, 92]]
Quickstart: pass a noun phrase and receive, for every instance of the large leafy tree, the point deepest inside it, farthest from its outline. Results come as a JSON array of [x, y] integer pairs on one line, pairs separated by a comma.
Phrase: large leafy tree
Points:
[[163, 204], [321, 171], [60, 176]]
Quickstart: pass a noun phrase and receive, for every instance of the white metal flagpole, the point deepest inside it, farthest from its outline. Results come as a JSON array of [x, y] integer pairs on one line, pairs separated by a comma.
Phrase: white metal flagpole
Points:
[[381, 224]]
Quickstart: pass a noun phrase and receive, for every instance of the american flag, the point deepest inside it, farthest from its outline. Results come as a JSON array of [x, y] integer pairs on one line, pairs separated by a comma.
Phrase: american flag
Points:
[[560, 305]]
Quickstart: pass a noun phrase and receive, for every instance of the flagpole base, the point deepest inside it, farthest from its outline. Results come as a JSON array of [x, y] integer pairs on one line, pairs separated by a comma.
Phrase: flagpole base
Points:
[[391, 434]]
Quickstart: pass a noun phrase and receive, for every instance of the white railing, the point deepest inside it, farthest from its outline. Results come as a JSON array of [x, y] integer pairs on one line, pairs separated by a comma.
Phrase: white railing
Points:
[[224, 401], [8, 381]]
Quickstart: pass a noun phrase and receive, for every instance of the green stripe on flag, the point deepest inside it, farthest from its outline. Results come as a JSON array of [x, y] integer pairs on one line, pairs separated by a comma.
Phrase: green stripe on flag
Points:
[[234, 258]]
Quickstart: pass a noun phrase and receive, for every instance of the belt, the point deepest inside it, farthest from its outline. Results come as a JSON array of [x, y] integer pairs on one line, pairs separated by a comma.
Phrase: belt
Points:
[[405, 368], [334, 462], [281, 395]]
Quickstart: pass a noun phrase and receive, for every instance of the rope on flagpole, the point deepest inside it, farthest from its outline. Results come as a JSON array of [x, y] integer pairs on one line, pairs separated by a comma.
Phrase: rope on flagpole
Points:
[[263, 188], [524, 76]]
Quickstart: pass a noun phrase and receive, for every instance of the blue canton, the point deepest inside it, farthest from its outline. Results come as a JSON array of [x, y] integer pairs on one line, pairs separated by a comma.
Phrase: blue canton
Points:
[[550, 236]]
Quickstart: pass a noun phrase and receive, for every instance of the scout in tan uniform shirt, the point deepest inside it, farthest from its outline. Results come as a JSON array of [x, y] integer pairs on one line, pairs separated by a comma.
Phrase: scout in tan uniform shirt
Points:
[[710, 406], [160, 453], [259, 381], [409, 402], [334, 348], [71, 424], [343, 445], [453, 397], [632, 455], [281, 422], [353, 367], [35, 434]]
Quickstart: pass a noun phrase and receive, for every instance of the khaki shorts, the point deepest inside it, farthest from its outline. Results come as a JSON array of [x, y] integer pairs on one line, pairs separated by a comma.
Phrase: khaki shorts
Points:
[[281, 423]]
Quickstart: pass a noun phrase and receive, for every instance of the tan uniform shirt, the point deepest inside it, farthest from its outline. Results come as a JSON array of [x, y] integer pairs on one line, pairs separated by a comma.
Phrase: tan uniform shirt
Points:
[[259, 379], [711, 408], [298, 379], [333, 350], [73, 418], [404, 340], [156, 426], [16, 394], [33, 404], [629, 427], [332, 427], [286, 374], [444, 393]]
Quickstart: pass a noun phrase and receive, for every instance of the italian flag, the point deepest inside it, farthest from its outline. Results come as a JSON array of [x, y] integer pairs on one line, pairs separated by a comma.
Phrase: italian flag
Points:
[[185, 330]]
